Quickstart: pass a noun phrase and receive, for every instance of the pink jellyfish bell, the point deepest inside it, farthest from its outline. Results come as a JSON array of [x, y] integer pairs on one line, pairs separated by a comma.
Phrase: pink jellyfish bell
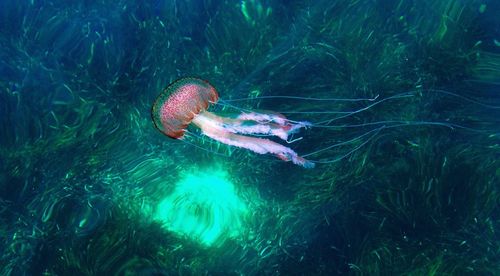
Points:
[[186, 101]]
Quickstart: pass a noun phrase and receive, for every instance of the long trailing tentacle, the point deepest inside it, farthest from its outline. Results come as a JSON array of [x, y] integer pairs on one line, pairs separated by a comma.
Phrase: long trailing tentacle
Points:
[[370, 134]]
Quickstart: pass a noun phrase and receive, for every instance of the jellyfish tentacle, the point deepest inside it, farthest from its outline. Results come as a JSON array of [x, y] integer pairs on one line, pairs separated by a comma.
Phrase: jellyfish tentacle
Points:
[[398, 96], [290, 141], [303, 98], [345, 114], [377, 131], [470, 100], [185, 140]]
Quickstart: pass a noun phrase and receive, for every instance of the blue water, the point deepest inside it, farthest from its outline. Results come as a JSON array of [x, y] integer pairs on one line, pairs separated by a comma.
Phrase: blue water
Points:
[[403, 103]]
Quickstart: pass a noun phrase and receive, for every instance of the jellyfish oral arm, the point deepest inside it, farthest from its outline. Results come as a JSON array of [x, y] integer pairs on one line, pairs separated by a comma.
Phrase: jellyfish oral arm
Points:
[[258, 123], [224, 131], [277, 124]]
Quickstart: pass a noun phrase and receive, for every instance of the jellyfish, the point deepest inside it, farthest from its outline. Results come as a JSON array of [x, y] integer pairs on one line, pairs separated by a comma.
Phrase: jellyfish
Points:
[[186, 101]]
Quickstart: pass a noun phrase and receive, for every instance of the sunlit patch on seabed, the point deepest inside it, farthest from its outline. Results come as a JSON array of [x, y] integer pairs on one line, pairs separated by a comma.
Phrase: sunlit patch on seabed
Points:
[[205, 207]]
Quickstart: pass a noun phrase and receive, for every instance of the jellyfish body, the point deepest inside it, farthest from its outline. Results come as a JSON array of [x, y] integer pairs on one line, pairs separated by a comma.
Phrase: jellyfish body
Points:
[[186, 101], [179, 103]]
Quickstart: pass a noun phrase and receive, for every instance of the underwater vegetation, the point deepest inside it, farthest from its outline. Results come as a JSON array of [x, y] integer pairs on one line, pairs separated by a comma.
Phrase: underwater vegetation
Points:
[[402, 105]]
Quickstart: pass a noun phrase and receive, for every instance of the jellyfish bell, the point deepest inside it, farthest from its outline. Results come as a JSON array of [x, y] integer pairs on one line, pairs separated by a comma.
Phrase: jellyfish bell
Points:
[[186, 101], [178, 104]]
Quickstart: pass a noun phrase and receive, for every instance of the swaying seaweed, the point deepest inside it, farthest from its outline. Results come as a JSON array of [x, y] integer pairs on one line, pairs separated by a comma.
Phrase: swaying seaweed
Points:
[[402, 100]]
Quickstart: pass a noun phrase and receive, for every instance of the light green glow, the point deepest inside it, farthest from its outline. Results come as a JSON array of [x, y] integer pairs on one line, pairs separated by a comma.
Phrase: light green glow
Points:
[[204, 206], [482, 8]]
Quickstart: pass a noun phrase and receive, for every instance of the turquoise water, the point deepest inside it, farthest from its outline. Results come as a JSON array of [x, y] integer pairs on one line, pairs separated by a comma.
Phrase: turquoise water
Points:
[[401, 97]]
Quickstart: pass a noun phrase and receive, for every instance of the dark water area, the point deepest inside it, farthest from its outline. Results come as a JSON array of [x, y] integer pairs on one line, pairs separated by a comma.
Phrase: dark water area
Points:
[[396, 104]]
